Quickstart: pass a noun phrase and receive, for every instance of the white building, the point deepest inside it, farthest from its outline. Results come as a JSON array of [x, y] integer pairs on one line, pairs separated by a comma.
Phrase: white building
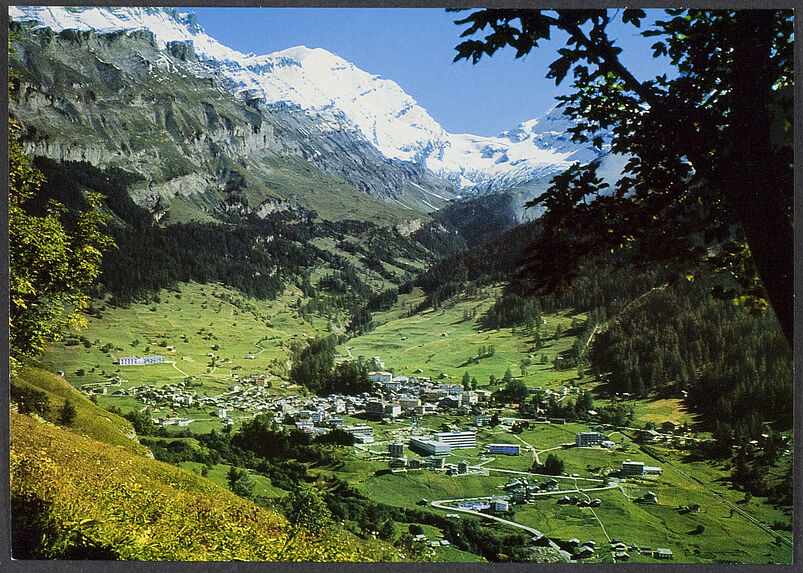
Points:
[[380, 377], [392, 410], [429, 447], [139, 361], [458, 440]]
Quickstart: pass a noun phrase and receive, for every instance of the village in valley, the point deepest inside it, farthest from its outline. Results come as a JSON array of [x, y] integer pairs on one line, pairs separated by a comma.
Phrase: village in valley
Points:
[[411, 424]]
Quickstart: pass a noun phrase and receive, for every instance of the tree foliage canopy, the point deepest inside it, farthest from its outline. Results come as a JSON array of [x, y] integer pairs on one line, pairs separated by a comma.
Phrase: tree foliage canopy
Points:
[[709, 173], [53, 257]]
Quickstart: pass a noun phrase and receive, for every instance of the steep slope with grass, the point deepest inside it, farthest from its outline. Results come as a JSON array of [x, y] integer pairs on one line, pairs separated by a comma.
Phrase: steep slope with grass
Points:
[[74, 497], [47, 393]]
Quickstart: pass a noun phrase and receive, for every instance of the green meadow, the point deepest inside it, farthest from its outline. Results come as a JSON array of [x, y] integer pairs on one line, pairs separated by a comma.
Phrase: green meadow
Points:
[[447, 341]]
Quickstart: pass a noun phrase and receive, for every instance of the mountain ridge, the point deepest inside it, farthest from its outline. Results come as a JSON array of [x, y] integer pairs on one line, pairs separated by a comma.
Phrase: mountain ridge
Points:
[[338, 94]]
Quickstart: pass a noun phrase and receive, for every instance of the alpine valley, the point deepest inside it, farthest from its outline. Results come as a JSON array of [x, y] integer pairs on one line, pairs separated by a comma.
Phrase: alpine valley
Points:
[[313, 288]]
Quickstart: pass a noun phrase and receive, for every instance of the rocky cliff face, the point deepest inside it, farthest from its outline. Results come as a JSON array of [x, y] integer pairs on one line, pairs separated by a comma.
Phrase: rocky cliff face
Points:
[[118, 99], [342, 97]]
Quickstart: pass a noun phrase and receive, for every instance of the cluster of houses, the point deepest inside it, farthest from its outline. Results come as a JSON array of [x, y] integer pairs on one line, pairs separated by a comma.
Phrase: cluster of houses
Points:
[[434, 543], [522, 489], [419, 396], [588, 549], [435, 448], [620, 551]]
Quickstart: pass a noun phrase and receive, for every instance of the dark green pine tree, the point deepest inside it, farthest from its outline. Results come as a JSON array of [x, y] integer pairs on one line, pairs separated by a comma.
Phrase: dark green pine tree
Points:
[[67, 414]]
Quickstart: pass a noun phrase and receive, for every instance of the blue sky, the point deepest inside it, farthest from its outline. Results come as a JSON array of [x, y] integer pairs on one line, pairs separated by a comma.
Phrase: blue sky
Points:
[[415, 48]]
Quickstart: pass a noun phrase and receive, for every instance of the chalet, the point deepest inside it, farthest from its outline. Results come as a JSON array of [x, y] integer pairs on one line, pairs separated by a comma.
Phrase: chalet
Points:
[[396, 464], [662, 553], [621, 554], [392, 386], [469, 398], [519, 494], [550, 484], [448, 402], [649, 497], [409, 403]]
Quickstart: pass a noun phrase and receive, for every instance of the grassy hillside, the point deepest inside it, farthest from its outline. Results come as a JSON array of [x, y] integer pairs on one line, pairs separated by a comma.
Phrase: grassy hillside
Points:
[[74, 497], [447, 341], [244, 335], [90, 420]]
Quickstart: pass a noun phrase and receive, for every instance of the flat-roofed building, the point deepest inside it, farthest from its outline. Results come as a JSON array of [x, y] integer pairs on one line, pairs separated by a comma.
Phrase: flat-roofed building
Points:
[[499, 505], [632, 468], [506, 449], [585, 439], [375, 408], [429, 447], [396, 450], [360, 432], [409, 403], [380, 377], [458, 440]]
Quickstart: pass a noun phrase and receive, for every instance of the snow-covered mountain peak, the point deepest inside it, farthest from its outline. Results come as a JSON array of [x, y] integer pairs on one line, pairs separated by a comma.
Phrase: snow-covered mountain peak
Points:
[[302, 54], [338, 91]]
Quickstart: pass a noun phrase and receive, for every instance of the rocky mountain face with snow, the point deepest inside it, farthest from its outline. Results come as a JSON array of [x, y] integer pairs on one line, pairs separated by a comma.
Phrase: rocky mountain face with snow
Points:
[[148, 87]]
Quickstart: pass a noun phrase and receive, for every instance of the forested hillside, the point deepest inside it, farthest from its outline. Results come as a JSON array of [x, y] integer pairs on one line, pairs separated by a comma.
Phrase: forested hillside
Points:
[[258, 255]]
